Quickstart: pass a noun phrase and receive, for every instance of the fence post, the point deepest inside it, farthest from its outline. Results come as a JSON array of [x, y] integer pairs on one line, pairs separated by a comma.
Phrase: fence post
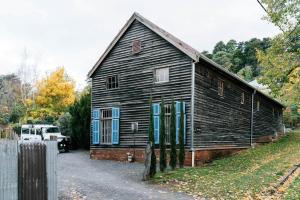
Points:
[[51, 162], [8, 170]]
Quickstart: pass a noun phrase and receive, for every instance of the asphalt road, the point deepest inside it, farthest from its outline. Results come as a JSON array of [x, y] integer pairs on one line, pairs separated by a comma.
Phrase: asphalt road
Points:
[[82, 178]]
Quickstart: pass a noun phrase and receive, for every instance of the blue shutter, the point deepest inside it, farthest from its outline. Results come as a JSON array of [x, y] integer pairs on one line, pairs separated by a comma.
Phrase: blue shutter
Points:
[[156, 112], [96, 126], [178, 121], [184, 130], [115, 125], [184, 121]]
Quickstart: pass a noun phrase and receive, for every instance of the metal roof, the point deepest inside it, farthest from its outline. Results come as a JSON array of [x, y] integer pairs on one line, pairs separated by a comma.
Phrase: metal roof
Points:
[[182, 46]]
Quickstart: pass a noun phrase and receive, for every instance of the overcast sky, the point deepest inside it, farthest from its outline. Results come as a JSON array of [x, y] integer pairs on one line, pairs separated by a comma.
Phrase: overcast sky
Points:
[[74, 33]]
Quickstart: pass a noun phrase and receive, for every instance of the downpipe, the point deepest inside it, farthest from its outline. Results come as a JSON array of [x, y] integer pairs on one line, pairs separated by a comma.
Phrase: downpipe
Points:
[[252, 113], [192, 113]]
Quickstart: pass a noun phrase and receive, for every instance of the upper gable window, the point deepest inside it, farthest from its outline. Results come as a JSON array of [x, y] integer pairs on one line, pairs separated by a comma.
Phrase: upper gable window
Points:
[[161, 75], [136, 47], [112, 82]]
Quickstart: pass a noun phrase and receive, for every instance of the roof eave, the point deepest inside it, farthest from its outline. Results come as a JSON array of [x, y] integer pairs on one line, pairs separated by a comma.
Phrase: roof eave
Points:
[[238, 78]]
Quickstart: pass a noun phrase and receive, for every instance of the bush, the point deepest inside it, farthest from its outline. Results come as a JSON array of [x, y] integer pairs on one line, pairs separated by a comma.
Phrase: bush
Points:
[[64, 123], [162, 139], [181, 137], [80, 121], [173, 153]]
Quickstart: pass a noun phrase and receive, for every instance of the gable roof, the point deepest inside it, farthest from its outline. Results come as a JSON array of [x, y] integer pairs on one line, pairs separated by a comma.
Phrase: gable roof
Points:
[[182, 46]]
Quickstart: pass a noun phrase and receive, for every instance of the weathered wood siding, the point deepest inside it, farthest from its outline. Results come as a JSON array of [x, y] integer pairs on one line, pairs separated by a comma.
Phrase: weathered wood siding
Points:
[[136, 83], [220, 122], [265, 121], [223, 122]]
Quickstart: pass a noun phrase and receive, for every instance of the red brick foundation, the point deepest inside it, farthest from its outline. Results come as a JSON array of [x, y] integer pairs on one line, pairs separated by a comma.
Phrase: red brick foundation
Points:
[[120, 154], [268, 138]]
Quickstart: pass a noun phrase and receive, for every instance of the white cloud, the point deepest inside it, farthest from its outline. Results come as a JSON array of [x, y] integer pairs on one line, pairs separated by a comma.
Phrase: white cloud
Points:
[[74, 33]]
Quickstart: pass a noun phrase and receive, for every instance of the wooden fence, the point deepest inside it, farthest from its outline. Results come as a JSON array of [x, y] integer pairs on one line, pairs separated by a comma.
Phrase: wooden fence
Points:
[[28, 170]]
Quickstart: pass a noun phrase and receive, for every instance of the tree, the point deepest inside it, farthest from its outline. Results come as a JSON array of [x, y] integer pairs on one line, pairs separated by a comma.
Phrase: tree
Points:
[[173, 153], [18, 111], [281, 62], [10, 99], [28, 76], [81, 119], [181, 155], [220, 46], [162, 138], [207, 54], [152, 142], [55, 93], [223, 58], [246, 73], [284, 14]]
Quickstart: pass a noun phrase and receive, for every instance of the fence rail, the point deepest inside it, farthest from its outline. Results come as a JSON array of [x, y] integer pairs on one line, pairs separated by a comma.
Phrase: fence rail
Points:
[[28, 170]]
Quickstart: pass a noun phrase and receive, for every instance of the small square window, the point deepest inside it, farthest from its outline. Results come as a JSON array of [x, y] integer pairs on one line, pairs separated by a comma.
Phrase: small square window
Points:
[[112, 82], [242, 98], [161, 75], [220, 88]]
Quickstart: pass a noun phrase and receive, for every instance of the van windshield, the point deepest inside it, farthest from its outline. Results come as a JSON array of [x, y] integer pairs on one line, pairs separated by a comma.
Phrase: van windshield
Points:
[[25, 130], [53, 130]]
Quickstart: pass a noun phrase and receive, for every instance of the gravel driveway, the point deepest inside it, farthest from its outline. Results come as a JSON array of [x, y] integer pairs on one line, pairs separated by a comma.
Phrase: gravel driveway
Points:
[[82, 178]]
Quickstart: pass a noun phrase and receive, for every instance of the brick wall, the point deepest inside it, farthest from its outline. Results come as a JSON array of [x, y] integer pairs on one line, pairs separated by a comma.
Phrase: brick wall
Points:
[[120, 154]]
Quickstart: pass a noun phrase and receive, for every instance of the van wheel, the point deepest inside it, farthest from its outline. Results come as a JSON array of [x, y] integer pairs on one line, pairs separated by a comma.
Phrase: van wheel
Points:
[[66, 149]]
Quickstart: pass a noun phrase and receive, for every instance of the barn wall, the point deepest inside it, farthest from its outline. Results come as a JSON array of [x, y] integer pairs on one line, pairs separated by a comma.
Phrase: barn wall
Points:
[[266, 122], [220, 122], [223, 122], [136, 82]]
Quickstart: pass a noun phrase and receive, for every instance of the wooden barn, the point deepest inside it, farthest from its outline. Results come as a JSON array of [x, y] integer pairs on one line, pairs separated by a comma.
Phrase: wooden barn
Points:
[[223, 113]]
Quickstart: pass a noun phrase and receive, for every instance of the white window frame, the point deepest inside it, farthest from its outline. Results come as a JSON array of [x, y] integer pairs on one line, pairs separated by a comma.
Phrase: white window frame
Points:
[[106, 129], [161, 78], [114, 85]]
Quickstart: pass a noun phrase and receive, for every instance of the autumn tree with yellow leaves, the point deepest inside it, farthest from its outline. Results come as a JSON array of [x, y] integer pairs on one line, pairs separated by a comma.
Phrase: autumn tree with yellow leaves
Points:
[[54, 94]]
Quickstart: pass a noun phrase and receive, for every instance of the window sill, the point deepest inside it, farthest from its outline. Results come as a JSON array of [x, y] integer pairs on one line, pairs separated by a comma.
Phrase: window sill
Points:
[[112, 89], [162, 82]]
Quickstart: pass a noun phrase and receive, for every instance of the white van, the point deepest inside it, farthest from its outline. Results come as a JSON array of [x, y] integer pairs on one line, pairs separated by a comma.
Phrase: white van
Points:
[[28, 133], [39, 132]]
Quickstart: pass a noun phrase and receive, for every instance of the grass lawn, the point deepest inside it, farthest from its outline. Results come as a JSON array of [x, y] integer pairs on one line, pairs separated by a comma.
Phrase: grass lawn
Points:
[[244, 175]]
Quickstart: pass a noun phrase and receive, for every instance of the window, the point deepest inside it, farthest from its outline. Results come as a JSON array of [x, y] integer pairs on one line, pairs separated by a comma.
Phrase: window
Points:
[[52, 130], [221, 88], [273, 111], [257, 105], [243, 98], [168, 122], [106, 121], [161, 75], [112, 82]]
